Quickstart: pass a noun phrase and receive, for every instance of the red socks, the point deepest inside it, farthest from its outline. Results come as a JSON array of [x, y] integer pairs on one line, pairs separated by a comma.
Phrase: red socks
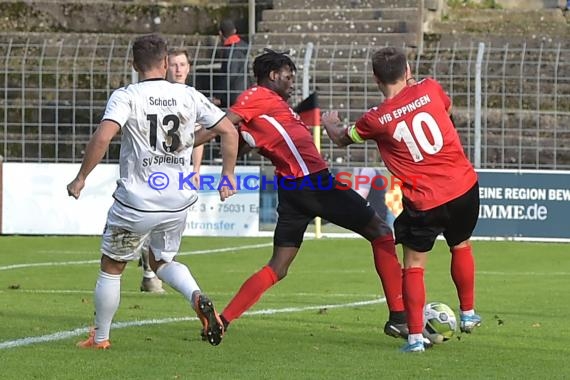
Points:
[[249, 293], [389, 270], [414, 298], [463, 275]]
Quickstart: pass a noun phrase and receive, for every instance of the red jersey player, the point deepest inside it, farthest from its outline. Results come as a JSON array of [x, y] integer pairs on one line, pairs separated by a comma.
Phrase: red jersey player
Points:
[[306, 190], [416, 137]]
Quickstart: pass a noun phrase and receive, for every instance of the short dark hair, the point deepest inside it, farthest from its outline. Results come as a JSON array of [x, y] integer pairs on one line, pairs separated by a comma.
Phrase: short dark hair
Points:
[[271, 61], [227, 27], [179, 51], [148, 51], [389, 64]]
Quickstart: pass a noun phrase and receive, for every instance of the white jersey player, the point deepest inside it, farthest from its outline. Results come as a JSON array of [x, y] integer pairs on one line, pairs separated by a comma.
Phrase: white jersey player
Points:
[[178, 70], [157, 120]]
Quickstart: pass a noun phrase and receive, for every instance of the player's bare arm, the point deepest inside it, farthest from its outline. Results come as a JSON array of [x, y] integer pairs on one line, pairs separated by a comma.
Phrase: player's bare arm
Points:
[[229, 136], [243, 147], [335, 131], [94, 152], [203, 136], [197, 155], [234, 117]]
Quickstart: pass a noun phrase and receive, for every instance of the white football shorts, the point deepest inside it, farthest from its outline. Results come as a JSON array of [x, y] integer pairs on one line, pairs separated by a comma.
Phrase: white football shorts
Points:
[[127, 230]]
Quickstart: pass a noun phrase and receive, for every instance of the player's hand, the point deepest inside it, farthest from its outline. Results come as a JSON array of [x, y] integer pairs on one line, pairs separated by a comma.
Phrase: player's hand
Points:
[[330, 118], [228, 187], [196, 180], [74, 188]]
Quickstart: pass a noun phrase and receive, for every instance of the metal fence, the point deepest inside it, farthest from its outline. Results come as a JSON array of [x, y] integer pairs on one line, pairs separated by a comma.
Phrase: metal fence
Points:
[[55, 89]]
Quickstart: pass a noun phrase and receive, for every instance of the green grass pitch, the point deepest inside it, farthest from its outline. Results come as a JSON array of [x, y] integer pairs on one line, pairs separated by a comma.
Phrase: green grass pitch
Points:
[[324, 320]]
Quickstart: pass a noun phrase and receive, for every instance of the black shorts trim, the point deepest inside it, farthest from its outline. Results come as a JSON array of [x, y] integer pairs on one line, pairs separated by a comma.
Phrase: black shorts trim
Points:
[[328, 199], [455, 219]]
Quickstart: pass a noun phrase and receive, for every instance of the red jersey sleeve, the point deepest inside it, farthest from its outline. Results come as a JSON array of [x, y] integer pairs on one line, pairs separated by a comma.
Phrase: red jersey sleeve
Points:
[[249, 104], [366, 127]]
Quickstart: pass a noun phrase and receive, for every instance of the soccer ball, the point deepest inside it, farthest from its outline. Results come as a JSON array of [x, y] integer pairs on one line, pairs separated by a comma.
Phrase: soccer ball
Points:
[[439, 322]]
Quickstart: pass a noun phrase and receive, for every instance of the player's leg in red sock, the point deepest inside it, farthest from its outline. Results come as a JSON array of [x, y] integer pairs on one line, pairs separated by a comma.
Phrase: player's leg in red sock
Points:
[[254, 287], [390, 272], [463, 275], [414, 298], [249, 293]]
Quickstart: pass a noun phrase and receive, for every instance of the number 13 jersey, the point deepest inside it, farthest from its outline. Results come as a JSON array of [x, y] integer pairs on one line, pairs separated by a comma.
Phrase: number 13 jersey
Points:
[[419, 144], [157, 120]]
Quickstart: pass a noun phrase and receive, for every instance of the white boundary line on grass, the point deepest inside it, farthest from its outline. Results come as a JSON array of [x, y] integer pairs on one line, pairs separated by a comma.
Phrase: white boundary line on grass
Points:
[[241, 248], [82, 262], [176, 294], [60, 335]]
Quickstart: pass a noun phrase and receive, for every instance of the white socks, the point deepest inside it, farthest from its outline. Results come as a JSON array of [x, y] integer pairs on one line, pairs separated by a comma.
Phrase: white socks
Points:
[[149, 274], [108, 293], [413, 338], [107, 298], [179, 277]]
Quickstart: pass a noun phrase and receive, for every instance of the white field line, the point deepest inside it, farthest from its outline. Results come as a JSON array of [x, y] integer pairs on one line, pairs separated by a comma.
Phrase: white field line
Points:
[[176, 294], [477, 273], [48, 264], [60, 335], [83, 262], [494, 273]]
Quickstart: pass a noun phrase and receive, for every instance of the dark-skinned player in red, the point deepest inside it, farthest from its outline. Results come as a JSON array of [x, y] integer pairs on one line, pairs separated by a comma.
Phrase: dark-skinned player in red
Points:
[[306, 190]]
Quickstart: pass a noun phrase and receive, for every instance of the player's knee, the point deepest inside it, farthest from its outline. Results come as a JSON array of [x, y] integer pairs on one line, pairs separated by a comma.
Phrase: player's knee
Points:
[[280, 269], [111, 266], [281, 272], [413, 259], [376, 227], [283, 256]]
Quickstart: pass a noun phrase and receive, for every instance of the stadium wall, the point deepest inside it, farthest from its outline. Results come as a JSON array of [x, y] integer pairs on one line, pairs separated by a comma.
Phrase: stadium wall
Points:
[[55, 92], [1, 192]]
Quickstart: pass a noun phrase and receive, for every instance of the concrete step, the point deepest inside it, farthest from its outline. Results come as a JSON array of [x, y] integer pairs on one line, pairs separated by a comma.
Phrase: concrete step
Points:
[[326, 51], [348, 70], [408, 14], [167, 17], [349, 105], [85, 45], [99, 38], [329, 87], [343, 100], [343, 4], [355, 51], [289, 40], [338, 26]]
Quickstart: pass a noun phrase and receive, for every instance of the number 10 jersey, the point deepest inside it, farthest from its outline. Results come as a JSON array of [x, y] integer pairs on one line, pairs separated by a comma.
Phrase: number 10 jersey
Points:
[[420, 145]]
